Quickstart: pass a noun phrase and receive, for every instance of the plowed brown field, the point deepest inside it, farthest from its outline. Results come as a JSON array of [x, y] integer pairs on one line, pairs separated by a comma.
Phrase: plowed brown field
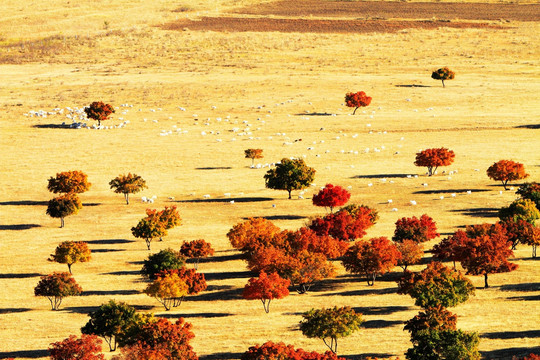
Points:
[[400, 10]]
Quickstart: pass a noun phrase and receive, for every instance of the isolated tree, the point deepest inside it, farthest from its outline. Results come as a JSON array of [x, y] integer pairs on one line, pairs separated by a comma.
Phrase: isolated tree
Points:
[[196, 249], [71, 252], [127, 184], [62, 206], [330, 324], [356, 100], [376, 256], [433, 158], [521, 209], [253, 154], [88, 347], [289, 175], [419, 230], [99, 111], [331, 196], [166, 288], [411, 253], [250, 234], [266, 288], [69, 182], [505, 171], [149, 228], [343, 225], [111, 321], [530, 191], [57, 286], [167, 259], [437, 285], [443, 74]]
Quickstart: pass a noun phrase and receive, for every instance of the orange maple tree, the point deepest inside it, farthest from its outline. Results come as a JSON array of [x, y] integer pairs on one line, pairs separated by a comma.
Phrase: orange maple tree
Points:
[[266, 288], [417, 229], [99, 111], [505, 171], [433, 158], [356, 100]]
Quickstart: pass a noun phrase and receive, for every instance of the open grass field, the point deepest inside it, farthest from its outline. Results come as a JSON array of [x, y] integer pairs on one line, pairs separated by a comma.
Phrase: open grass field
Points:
[[243, 83]]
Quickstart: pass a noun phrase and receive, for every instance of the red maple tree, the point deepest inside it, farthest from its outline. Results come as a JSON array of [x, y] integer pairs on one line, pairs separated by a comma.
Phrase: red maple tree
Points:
[[266, 288], [88, 347], [433, 158], [411, 253], [275, 351], [331, 196], [99, 111], [356, 100], [342, 225], [419, 230], [307, 239], [505, 171], [196, 249]]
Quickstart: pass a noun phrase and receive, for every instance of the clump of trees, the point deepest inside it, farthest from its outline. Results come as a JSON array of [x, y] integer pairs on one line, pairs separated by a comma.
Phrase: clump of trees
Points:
[[330, 324], [331, 196], [127, 184], [505, 171], [70, 183], [530, 191], [71, 252], [443, 74], [266, 288], [289, 175], [356, 100], [433, 158], [253, 154], [98, 111], [56, 287]]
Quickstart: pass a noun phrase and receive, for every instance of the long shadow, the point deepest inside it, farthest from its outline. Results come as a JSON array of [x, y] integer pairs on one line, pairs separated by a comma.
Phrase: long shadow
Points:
[[525, 298], [379, 324], [19, 227], [448, 191], [29, 354], [219, 287], [230, 275], [19, 276], [479, 212], [91, 204], [221, 356], [13, 310], [226, 200], [521, 287], [24, 203], [531, 126], [214, 168], [109, 241], [364, 292], [198, 315], [508, 353], [109, 292], [52, 126], [106, 250], [511, 334], [413, 86], [380, 310], [381, 176], [80, 309], [369, 356], [221, 258], [282, 217], [315, 114], [233, 294], [334, 284], [125, 272]]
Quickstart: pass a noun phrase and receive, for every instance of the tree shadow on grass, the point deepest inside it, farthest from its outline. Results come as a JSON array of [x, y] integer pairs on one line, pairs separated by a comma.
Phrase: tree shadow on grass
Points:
[[379, 324], [479, 212], [232, 294], [109, 241], [315, 114], [19, 227], [106, 250], [25, 203], [29, 354], [521, 287], [109, 292], [412, 86], [369, 355], [381, 176], [334, 284], [19, 276], [220, 258], [361, 292], [53, 126], [380, 310], [508, 353], [225, 275], [79, 309], [281, 217], [197, 315], [227, 200], [124, 272], [525, 298], [529, 126], [511, 334], [214, 168], [13, 310], [221, 356], [448, 191]]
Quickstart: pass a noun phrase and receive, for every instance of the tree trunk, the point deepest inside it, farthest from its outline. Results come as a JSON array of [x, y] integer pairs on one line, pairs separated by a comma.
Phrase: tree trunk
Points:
[[486, 280], [289, 193], [355, 110], [69, 268], [534, 251], [126, 196], [61, 222], [430, 170], [266, 305], [442, 83], [148, 243], [504, 182]]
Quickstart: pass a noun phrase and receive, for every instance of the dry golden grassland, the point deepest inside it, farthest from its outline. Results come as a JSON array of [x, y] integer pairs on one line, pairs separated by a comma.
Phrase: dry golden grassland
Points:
[[286, 87]]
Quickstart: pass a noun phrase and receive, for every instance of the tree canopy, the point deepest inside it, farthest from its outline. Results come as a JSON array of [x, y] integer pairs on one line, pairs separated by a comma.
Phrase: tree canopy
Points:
[[266, 288], [356, 100], [443, 74], [433, 158], [57, 286], [289, 175], [88, 347], [71, 252], [331, 196], [505, 171], [74, 181], [62, 206], [99, 111], [127, 184]]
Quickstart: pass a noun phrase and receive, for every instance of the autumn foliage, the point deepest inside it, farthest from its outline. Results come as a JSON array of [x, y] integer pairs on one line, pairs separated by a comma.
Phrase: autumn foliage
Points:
[[127, 184], [443, 74], [281, 351], [98, 111], [266, 288], [331, 196], [521, 209], [348, 224], [433, 158], [432, 318], [411, 253], [253, 154], [57, 286], [374, 257], [71, 252], [356, 100], [194, 280], [196, 249], [530, 191], [505, 171], [88, 347], [69, 182], [419, 230], [289, 175], [166, 288], [62, 206]]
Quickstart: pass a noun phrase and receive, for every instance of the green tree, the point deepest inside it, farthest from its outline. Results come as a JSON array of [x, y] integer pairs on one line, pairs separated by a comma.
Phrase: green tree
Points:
[[111, 321], [62, 206], [57, 286], [444, 344], [521, 209], [167, 259], [530, 191], [289, 175], [127, 184], [149, 228], [71, 252], [330, 324]]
